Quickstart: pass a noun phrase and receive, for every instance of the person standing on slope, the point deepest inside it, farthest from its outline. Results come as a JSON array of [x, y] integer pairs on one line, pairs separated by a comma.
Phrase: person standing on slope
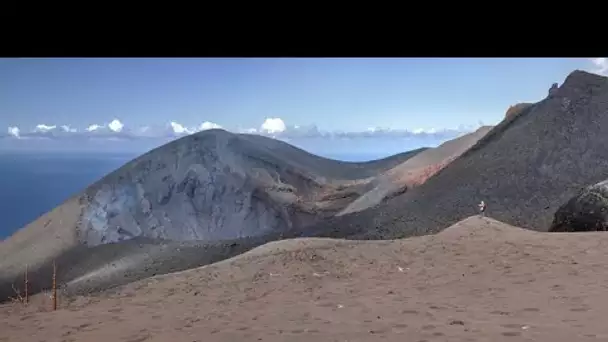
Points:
[[482, 208]]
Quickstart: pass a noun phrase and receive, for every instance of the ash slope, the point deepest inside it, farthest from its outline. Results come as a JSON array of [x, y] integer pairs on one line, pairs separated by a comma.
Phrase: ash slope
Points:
[[525, 168], [480, 280], [206, 187], [415, 170]]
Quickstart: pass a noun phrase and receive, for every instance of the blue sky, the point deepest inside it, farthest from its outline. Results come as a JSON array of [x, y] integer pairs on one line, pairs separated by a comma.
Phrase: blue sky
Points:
[[349, 95]]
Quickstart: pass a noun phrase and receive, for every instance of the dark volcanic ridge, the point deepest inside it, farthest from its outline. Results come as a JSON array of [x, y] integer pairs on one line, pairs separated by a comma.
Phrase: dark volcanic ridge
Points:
[[525, 168]]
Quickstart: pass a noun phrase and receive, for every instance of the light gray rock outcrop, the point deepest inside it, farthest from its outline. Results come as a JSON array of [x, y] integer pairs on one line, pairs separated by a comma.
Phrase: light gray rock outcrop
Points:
[[199, 190], [216, 185]]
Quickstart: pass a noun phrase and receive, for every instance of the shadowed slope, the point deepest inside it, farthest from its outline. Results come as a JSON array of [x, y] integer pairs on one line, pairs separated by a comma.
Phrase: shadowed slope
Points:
[[524, 169]]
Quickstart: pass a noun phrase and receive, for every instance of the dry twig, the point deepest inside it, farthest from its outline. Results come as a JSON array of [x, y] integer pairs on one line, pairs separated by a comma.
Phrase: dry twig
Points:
[[54, 286], [18, 298]]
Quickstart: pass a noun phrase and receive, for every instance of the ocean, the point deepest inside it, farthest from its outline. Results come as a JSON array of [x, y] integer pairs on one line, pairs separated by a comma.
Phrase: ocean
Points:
[[33, 183]]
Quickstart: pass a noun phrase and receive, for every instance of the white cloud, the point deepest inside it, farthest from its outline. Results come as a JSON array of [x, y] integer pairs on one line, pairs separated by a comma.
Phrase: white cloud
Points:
[[273, 125], [179, 129], [68, 129], [44, 128], [600, 65], [14, 131], [208, 125], [93, 128], [116, 126]]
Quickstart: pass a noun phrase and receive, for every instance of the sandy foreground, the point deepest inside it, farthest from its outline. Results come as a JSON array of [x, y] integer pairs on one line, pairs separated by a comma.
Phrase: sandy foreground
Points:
[[479, 280]]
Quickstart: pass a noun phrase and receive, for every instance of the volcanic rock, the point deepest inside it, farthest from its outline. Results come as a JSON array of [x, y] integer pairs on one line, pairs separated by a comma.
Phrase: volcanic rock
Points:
[[587, 211]]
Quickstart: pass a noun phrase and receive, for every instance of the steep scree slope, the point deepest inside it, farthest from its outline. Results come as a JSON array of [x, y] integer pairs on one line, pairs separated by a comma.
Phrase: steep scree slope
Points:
[[524, 169], [414, 171]]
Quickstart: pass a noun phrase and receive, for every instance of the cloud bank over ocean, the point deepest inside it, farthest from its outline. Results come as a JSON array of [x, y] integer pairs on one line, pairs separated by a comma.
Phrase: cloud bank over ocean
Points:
[[116, 136]]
